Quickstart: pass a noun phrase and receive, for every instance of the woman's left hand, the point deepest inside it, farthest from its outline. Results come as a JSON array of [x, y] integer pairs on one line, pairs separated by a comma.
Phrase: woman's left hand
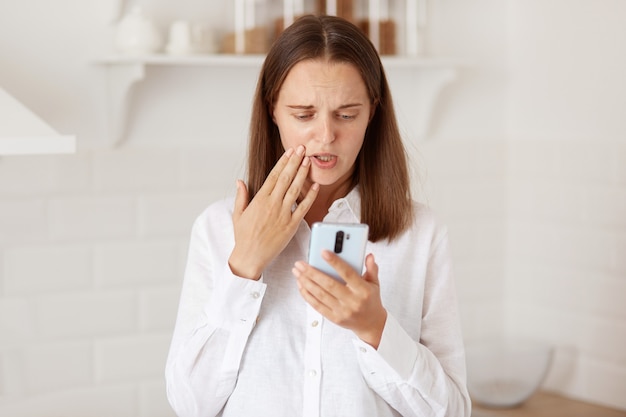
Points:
[[356, 305]]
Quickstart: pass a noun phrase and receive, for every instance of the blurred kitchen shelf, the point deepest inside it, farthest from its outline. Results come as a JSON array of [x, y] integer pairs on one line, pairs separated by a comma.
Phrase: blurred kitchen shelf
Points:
[[182, 60], [125, 71], [252, 60], [22, 132]]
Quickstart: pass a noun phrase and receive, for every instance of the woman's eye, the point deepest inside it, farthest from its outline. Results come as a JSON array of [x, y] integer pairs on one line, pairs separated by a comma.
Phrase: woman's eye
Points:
[[347, 116], [303, 116]]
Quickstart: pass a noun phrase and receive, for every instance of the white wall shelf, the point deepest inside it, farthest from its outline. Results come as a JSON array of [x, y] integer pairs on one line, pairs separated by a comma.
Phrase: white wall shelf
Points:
[[125, 72]]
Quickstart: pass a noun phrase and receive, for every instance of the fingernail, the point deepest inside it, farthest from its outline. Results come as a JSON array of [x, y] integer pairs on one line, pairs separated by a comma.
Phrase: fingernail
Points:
[[300, 150], [289, 152], [306, 162]]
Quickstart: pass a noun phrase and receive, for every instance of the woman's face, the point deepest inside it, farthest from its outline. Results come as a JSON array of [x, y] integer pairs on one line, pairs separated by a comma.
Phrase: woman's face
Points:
[[325, 107]]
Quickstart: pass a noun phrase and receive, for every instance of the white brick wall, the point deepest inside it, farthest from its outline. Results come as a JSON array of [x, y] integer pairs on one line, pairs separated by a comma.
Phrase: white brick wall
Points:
[[85, 217], [22, 220], [92, 253], [33, 270], [58, 366], [102, 401], [465, 183], [132, 358], [157, 307], [567, 216], [86, 313], [124, 264], [565, 278]]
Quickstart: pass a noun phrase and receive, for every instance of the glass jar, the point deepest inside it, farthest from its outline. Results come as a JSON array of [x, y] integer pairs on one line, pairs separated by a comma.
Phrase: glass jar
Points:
[[395, 27], [252, 32]]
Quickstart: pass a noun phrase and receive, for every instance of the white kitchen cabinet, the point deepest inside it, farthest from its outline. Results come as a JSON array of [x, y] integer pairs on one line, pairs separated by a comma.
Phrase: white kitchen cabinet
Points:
[[24, 133]]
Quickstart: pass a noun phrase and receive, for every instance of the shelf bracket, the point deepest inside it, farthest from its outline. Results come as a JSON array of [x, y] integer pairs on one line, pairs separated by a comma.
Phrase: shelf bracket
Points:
[[434, 81], [121, 80], [417, 96]]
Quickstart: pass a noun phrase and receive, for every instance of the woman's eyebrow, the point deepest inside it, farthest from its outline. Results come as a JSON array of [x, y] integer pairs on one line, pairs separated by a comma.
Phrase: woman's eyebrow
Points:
[[345, 106], [300, 106], [308, 107]]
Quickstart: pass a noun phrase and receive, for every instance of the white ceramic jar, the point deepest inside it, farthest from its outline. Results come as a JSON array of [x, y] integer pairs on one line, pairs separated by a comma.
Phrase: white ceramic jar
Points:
[[136, 34]]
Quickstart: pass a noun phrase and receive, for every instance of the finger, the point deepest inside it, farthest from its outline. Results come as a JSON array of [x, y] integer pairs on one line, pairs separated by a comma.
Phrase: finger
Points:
[[306, 203], [371, 269], [316, 278], [294, 189], [272, 177], [317, 304], [317, 285], [345, 271], [241, 199], [288, 174]]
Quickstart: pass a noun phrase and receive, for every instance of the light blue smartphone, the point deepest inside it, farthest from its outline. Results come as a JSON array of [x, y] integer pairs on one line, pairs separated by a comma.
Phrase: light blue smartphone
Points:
[[348, 240]]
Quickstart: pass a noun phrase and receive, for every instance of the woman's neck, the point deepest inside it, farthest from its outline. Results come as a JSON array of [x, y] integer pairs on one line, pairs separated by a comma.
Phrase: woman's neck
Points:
[[326, 196]]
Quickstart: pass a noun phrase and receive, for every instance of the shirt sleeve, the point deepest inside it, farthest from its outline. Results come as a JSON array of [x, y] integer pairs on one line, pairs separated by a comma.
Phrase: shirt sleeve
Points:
[[425, 377], [216, 314]]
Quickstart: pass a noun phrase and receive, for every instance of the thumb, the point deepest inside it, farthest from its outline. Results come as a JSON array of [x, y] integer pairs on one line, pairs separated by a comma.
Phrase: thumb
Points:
[[371, 269], [241, 199]]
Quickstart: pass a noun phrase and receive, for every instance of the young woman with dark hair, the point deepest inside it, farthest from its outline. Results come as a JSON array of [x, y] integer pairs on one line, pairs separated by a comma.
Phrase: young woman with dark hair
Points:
[[261, 332]]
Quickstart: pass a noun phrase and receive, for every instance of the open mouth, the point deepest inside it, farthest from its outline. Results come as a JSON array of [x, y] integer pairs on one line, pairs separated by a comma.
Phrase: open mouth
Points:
[[324, 158]]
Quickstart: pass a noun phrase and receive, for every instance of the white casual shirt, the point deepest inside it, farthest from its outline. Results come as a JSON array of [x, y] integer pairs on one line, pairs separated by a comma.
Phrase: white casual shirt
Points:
[[255, 348]]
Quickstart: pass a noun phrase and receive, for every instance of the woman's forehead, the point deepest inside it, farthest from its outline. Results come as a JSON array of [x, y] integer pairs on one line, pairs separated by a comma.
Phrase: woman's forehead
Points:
[[314, 77]]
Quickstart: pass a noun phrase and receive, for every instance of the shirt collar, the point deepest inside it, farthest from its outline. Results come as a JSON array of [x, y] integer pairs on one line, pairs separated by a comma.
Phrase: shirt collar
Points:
[[346, 209]]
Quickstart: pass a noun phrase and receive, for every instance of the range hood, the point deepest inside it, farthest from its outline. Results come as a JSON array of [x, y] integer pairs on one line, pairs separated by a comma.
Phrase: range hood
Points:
[[24, 133]]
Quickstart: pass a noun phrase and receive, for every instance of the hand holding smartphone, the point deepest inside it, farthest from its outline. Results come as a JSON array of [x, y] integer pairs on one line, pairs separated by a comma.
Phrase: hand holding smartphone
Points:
[[347, 240]]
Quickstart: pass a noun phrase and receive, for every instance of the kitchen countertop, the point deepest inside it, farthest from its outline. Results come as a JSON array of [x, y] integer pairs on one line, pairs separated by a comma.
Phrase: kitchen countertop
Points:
[[547, 404]]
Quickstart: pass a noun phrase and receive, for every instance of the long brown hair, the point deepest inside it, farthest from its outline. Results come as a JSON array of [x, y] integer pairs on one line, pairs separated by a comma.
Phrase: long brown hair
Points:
[[381, 170]]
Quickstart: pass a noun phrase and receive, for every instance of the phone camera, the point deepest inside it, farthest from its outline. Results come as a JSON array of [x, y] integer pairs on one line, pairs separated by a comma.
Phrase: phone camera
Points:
[[339, 241]]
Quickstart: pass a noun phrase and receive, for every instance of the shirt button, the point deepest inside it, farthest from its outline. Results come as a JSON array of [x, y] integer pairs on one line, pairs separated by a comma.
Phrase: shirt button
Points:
[[315, 323], [340, 205], [363, 350], [255, 295], [312, 373]]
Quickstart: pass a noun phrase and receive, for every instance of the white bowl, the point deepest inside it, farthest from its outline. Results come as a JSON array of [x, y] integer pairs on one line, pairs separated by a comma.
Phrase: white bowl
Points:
[[504, 374]]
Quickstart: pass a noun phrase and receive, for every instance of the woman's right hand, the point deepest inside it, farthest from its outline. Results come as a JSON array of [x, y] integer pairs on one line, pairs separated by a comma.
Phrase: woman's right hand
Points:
[[264, 226]]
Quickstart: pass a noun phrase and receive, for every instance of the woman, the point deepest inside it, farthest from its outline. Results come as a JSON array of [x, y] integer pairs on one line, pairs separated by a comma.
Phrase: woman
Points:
[[259, 331]]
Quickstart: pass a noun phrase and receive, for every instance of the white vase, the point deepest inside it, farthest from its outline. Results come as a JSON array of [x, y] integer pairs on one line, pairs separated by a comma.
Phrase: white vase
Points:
[[136, 34]]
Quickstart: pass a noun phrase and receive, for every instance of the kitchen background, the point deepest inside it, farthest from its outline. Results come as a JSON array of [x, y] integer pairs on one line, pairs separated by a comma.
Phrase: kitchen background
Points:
[[524, 158]]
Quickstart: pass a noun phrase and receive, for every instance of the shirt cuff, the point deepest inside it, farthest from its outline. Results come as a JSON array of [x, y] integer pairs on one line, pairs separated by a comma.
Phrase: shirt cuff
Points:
[[396, 355], [235, 300]]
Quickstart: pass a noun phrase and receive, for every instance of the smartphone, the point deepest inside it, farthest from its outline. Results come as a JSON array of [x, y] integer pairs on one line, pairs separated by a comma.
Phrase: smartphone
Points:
[[348, 240]]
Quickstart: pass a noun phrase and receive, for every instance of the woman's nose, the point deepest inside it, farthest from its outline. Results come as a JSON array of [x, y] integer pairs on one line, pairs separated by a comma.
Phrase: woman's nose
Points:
[[326, 130]]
